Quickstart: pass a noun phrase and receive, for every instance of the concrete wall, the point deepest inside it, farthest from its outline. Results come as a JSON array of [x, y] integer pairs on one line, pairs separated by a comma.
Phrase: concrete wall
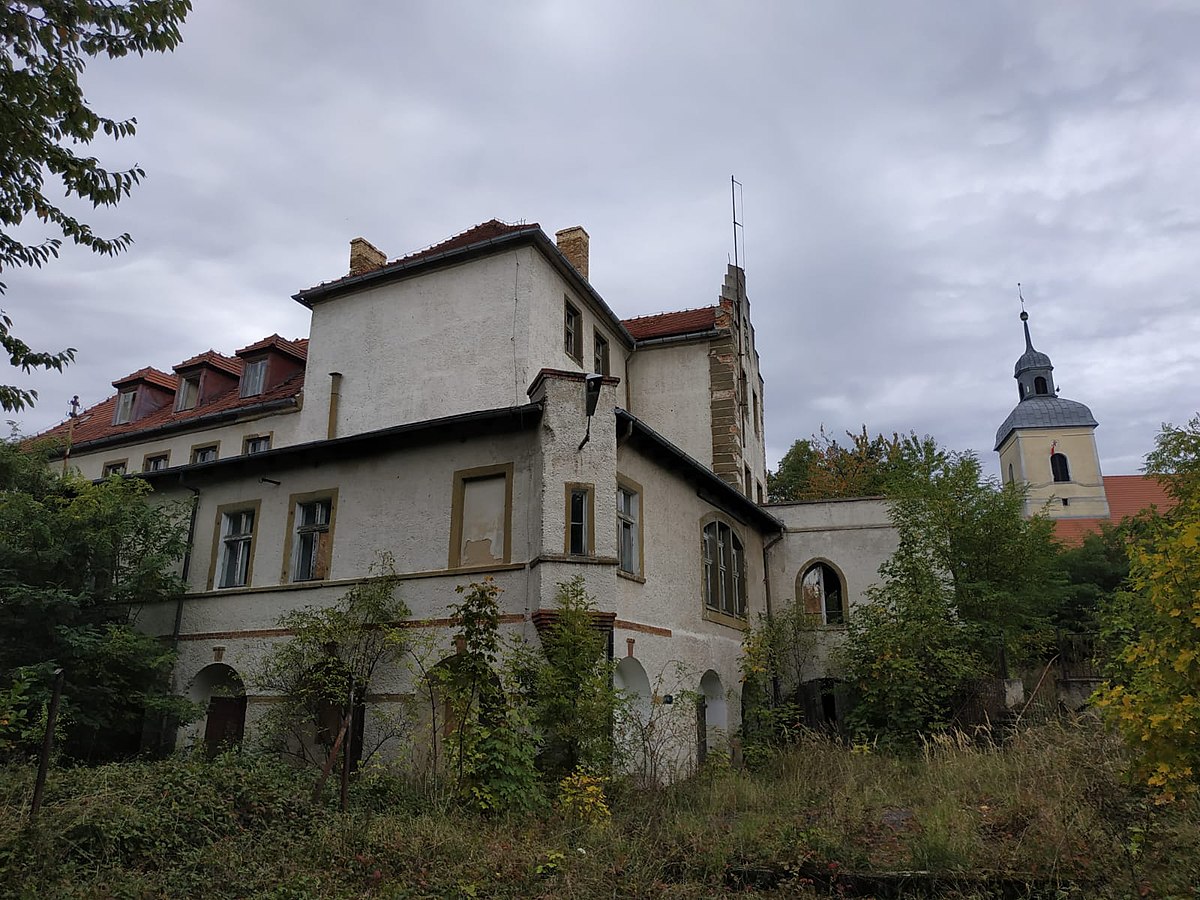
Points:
[[855, 537], [468, 337], [281, 426], [669, 391]]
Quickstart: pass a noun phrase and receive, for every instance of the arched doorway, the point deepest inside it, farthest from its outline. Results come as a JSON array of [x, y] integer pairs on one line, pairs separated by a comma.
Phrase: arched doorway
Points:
[[631, 731], [712, 715], [220, 690]]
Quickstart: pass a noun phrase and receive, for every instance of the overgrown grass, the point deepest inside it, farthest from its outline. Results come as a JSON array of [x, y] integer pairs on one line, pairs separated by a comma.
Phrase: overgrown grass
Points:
[[1048, 813]]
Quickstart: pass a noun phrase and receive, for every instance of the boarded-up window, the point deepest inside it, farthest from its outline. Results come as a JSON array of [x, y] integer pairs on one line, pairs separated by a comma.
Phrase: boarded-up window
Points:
[[484, 521]]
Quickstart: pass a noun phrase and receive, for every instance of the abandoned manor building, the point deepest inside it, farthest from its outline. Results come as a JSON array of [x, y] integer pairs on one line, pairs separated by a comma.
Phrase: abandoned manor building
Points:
[[477, 409]]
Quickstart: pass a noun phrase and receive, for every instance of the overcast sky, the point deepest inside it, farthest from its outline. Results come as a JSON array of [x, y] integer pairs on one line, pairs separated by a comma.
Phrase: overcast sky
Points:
[[904, 166]]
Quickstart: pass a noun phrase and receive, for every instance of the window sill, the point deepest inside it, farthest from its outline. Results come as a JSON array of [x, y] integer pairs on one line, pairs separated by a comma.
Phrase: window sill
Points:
[[578, 560], [722, 619], [630, 576]]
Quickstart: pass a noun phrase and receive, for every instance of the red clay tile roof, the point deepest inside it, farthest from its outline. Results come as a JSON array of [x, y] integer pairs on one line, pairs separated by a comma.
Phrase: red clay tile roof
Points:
[[671, 324], [486, 231], [96, 422], [1127, 496], [297, 348], [151, 376], [232, 365]]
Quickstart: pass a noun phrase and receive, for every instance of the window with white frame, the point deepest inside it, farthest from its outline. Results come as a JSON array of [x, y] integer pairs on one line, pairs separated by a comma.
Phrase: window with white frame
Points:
[[629, 539], [156, 463], [125, 402], [207, 453], [312, 542], [259, 443], [115, 468], [572, 338], [237, 543], [724, 571], [254, 377], [188, 393]]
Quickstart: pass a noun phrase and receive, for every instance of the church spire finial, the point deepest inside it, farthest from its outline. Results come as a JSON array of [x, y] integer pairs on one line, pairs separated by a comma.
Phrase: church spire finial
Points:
[[1024, 319]]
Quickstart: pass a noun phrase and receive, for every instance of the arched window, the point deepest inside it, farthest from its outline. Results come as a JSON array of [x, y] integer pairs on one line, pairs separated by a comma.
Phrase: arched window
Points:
[[822, 594], [1039, 385], [724, 570], [1021, 388], [1058, 465]]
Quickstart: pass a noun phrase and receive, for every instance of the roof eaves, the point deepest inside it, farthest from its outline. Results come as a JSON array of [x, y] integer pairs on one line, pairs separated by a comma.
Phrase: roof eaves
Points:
[[404, 268], [719, 492], [519, 417]]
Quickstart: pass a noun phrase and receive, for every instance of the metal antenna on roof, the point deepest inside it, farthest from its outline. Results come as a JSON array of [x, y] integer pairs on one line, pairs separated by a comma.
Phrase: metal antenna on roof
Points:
[[735, 193]]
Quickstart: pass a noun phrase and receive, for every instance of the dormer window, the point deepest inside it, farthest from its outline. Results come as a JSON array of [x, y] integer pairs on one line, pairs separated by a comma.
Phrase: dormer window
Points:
[[125, 402], [188, 394], [254, 377]]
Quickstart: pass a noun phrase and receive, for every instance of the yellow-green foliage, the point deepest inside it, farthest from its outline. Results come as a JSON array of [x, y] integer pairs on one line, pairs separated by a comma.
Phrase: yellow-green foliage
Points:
[[581, 794], [1155, 696]]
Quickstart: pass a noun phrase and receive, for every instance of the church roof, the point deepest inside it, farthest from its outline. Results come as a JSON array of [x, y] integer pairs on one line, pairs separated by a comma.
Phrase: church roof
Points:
[[1127, 496], [1044, 412]]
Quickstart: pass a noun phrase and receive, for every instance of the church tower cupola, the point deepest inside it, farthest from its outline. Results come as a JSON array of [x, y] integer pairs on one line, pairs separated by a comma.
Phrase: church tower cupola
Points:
[[1033, 371], [1048, 442]]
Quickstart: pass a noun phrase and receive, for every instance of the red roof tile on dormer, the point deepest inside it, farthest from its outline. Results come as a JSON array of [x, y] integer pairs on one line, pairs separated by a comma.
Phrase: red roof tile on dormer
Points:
[[672, 324], [296, 349], [151, 376], [230, 365]]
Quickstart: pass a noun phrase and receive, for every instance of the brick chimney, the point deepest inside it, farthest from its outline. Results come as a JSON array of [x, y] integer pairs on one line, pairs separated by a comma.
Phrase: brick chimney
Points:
[[573, 244], [365, 256]]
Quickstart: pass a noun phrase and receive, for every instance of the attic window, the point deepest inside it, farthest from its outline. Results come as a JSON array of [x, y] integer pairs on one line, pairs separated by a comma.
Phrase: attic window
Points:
[[125, 401], [189, 393], [254, 377]]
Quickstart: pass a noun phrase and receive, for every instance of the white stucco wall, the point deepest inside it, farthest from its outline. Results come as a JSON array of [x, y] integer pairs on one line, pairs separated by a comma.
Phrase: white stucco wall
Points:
[[463, 338], [669, 391], [854, 536], [281, 426]]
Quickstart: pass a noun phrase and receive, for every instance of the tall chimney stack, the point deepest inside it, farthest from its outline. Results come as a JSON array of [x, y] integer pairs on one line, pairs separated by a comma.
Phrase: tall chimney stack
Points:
[[573, 244], [365, 256]]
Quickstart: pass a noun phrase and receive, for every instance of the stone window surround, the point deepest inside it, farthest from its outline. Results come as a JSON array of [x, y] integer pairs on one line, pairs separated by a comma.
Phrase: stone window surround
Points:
[[628, 484], [572, 330], [269, 435], [206, 445], [461, 476], [287, 569], [112, 464], [589, 516], [804, 569], [217, 550], [156, 454], [712, 615]]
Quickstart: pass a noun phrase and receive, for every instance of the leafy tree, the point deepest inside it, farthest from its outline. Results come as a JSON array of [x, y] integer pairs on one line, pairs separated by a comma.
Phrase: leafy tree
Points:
[[568, 687], [76, 561], [971, 577], [820, 468], [1095, 571], [323, 672], [44, 117], [1154, 694]]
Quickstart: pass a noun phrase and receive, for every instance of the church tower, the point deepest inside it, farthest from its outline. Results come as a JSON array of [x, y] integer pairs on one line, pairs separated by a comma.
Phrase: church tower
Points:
[[1050, 444]]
